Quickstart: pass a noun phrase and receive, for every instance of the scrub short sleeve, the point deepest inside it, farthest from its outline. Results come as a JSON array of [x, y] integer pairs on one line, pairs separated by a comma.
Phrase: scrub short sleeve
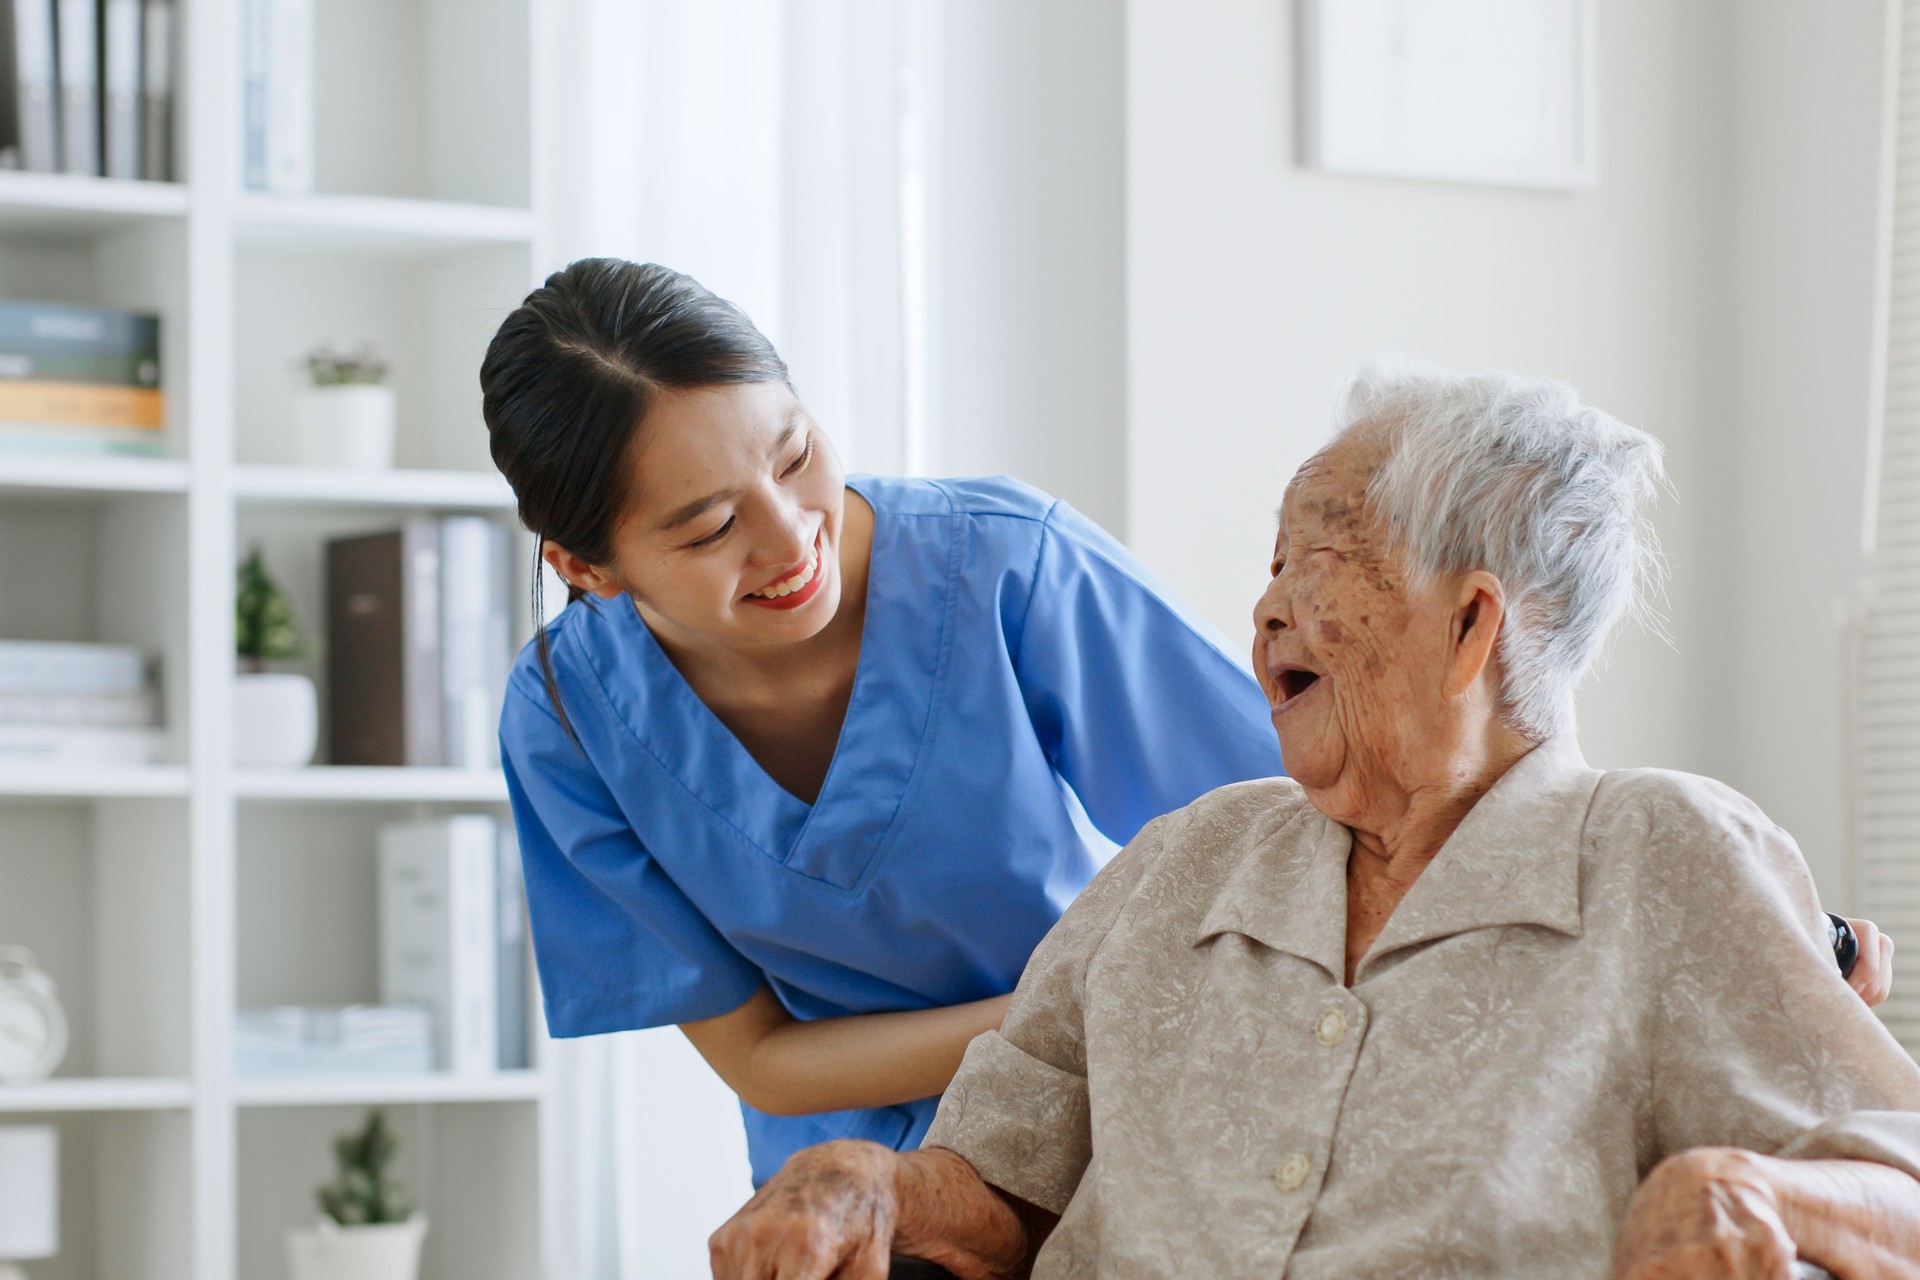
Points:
[[618, 944], [1140, 710]]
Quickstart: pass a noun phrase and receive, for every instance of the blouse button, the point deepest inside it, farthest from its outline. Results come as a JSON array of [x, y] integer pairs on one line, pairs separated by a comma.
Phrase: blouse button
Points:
[[1292, 1175], [1331, 1029]]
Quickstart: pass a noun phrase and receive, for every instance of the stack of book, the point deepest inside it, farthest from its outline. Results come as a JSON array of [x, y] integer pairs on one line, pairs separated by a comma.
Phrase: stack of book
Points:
[[77, 705], [360, 1039], [453, 938], [79, 379], [419, 640], [86, 87]]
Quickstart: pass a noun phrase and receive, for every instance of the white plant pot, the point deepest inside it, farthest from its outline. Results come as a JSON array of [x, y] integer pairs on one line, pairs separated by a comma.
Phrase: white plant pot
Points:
[[328, 1251], [276, 720], [351, 427]]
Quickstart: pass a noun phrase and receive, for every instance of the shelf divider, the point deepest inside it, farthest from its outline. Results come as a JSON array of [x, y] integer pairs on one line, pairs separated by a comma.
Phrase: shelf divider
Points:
[[370, 783], [400, 487], [100, 1094], [329, 1091]]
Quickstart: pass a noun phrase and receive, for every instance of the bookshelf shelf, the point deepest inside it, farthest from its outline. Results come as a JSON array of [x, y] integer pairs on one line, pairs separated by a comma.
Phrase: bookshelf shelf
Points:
[[78, 476], [346, 783], [437, 490], [65, 205], [367, 1091], [96, 1095], [35, 782], [377, 224], [161, 898]]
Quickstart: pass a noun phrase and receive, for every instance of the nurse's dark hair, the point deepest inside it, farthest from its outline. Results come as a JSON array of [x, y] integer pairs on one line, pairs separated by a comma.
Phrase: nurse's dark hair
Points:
[[566, 386]]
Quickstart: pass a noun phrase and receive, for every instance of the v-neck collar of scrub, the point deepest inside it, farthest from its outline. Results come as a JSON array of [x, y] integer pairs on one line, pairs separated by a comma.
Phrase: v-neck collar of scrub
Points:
[[903, 647]]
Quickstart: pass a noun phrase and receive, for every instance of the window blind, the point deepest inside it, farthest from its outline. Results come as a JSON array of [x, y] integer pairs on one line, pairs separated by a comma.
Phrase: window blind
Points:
[[1886, 654]]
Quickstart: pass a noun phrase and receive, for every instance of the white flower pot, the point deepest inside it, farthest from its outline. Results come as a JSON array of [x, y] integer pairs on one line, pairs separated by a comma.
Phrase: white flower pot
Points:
[[349, 426], [328, 1251], [276, 720]]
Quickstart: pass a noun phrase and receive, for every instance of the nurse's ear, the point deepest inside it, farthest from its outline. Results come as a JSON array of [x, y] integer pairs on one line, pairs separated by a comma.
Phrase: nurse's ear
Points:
[[577, 573]]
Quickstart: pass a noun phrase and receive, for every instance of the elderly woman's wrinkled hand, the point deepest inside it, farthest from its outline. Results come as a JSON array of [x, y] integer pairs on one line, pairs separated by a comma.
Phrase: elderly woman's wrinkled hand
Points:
[[829, 1212], [1706, 1214], [1872, 976]]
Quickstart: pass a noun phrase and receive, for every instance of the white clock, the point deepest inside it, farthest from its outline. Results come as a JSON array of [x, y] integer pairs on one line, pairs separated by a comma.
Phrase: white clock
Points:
[[33, 1027]]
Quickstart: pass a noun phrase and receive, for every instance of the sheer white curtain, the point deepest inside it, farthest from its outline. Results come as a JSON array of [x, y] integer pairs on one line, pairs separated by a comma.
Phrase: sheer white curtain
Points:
[[757, 145]]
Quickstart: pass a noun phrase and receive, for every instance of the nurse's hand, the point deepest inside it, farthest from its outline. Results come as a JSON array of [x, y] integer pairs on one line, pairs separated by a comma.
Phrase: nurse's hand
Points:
[[841, 1209]]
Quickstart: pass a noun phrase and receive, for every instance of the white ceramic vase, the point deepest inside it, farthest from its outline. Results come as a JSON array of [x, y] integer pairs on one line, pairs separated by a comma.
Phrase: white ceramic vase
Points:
[[276, 720], [328, 1251], [350, 427]]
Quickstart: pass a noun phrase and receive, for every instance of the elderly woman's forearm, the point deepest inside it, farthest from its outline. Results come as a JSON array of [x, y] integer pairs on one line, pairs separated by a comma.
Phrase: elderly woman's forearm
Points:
[[1855, 1218], [947, 1214]]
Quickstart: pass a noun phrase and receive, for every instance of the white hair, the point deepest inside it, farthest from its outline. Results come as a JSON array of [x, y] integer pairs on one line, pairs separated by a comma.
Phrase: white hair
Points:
[[1515, 476]]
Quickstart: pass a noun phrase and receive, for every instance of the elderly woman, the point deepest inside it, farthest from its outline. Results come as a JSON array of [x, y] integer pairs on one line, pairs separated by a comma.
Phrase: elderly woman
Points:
[[1446, 1001]]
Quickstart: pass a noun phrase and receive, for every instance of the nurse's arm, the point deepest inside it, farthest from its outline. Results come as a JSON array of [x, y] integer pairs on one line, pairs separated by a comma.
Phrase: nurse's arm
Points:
[[783, 1066]]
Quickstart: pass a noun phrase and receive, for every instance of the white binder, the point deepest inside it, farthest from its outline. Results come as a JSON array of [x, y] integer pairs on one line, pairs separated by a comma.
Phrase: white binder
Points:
[[156, 90], [77, 48], [120, 85], [31, 117]]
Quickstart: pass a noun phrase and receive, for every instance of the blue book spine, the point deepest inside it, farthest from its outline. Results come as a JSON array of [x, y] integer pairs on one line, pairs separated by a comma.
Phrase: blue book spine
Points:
[[56, 328]]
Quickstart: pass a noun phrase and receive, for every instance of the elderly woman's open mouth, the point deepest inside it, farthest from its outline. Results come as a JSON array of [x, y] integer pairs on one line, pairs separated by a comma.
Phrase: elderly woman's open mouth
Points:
[[1290, 682]]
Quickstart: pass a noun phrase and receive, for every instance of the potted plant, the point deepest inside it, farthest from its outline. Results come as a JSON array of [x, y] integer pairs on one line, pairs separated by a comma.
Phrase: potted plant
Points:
[[367, 1229], [276, 714], [348, 414]]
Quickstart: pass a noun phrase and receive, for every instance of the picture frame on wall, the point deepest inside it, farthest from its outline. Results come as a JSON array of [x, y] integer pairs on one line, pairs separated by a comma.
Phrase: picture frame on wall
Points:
[[1482, 91]]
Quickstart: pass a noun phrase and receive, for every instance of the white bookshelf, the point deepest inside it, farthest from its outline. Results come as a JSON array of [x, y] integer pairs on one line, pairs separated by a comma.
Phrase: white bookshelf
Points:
[[163, 898]]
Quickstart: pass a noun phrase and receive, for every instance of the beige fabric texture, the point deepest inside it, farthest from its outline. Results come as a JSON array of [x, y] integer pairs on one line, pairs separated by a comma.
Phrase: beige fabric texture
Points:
[[1596, 971]]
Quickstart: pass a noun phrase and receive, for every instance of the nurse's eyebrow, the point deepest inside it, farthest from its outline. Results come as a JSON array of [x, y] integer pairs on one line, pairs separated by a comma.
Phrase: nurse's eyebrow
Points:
[[700, 506]]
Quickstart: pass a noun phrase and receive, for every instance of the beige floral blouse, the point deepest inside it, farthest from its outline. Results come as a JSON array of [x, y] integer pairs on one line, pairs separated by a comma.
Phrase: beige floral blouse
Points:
[[1597, 970]]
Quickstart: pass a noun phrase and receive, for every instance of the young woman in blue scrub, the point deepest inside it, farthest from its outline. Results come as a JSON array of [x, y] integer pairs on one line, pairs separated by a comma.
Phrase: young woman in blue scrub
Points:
[[792, 770]]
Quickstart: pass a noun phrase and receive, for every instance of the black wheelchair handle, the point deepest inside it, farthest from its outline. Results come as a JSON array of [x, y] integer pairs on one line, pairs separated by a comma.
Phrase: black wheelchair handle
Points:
[[1846, 946]]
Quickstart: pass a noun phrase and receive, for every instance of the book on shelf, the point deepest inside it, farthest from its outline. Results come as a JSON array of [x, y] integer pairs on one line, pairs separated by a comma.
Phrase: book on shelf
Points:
[[31, 437], [77, 746], [420, 627], [55, 668], [309, 1040], [77, 51], [277, 99], [57, 328], [29, 87], [476, 646], [120, 88], [139, 710], [77, 705], [515, 957], [81, 404], [383, 646], [439, 933], [156, 90], [79, 379]]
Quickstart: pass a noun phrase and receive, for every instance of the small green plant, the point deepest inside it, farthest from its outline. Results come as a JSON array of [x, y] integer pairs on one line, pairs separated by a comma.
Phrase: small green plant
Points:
[[363, 1195], [362, 368], [264, 626]]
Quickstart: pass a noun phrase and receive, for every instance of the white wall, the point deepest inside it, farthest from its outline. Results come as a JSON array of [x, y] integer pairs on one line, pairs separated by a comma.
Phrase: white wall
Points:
[[1715, 287], [1806, 181], [1030, 248]]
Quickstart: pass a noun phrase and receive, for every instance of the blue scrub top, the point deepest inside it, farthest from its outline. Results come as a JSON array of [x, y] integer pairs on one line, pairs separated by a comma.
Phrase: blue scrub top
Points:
[[1009, 646]]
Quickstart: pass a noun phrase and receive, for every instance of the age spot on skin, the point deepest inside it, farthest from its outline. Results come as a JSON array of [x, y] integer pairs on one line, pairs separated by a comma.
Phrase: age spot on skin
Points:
[[1331, 632]]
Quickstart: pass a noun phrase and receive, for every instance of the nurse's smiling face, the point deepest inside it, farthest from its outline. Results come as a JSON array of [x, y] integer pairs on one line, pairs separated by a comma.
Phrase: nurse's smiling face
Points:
[[732, 531]]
